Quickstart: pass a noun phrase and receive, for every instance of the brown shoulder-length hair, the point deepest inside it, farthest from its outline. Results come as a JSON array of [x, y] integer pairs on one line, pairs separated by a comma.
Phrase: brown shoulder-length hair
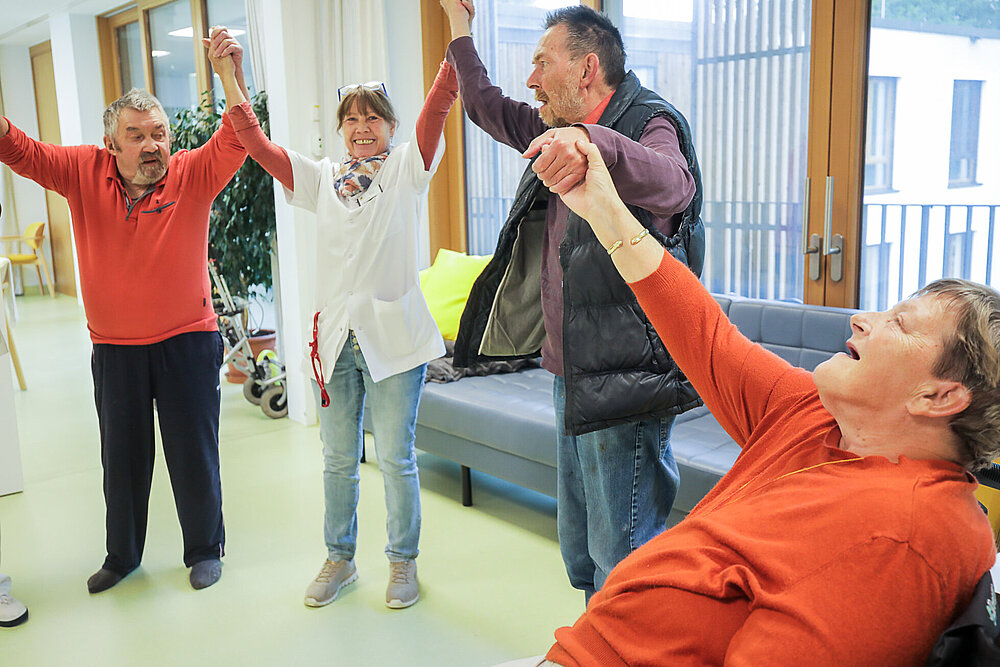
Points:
[[368, 100]]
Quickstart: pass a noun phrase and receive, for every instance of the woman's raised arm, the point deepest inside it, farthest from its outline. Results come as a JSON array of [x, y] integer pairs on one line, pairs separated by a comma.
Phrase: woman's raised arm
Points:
[[223, 51]]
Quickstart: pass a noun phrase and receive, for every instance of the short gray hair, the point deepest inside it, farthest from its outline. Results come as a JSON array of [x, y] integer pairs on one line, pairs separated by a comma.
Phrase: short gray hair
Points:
[[972, 356], [138, 99]]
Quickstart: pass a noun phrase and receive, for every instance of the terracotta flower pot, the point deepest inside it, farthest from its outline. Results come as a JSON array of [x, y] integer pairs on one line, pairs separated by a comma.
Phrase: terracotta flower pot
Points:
[[264, 339]]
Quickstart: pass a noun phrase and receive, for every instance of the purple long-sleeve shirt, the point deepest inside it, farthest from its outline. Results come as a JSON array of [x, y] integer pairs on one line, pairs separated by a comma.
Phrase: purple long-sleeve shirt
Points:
[[651, 173]]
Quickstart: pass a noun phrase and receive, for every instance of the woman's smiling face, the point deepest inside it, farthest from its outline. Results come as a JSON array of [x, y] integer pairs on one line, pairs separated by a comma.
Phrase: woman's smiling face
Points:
[[366, 133]]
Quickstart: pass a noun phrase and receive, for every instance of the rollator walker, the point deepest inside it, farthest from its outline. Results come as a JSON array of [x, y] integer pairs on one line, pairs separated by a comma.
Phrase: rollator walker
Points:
[[265, 383]]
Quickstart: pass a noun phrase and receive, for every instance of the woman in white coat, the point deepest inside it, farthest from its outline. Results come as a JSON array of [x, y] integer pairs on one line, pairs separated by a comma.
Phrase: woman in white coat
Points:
[[372, 332]]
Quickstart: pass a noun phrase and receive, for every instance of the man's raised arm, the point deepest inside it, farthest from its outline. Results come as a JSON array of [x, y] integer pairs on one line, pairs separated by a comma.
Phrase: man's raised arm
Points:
[[460, 13], [507, 120]]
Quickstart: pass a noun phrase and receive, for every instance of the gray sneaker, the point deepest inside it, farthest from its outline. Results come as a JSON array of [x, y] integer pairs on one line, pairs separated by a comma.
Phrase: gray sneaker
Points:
[[403, 589], [331, 578], [12, 611]]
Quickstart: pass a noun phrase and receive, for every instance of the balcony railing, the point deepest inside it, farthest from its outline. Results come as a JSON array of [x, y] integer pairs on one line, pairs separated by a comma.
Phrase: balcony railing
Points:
[[907, 246], [754, 248]]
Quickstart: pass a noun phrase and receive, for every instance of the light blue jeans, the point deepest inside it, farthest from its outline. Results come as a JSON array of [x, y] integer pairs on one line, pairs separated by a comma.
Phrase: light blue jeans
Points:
[[394, 403], [615, 490]]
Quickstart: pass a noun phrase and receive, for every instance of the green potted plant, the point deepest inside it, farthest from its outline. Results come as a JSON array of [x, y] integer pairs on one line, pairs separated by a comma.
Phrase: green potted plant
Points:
[[242, 228]]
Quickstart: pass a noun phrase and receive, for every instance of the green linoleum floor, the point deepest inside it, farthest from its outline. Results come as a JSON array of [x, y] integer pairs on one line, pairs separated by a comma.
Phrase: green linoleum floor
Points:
[[492, 583]]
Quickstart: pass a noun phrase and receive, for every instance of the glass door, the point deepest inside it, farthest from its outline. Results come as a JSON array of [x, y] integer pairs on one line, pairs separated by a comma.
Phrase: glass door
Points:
[[740, 73], [932, 172]]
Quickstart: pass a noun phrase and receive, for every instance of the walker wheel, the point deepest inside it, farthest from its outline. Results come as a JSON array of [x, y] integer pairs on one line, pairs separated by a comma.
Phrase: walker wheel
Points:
[[252, 391], [273, 402]]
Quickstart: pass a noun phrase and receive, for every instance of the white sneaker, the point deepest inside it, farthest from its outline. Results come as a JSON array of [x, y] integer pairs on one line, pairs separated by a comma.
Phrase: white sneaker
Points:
[[403, 589], [331, 578], [12, 611]]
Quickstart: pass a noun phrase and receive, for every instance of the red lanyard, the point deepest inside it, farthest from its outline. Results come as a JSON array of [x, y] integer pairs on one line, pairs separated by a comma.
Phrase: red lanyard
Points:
[[318, 363]]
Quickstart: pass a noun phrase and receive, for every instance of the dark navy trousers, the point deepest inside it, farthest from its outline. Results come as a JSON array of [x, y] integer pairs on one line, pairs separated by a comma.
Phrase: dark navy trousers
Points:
[[181, 374]]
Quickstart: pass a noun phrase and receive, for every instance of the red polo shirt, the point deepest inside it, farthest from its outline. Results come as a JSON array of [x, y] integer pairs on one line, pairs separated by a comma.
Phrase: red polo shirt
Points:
[[143, 271]]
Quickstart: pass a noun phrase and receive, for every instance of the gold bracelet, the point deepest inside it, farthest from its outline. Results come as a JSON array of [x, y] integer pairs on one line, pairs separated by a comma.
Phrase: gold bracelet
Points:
[[615, 246], [638, 237]]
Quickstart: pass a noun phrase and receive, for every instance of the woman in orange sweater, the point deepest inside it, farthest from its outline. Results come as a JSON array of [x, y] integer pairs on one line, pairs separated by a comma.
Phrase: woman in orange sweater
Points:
[[847, 532]]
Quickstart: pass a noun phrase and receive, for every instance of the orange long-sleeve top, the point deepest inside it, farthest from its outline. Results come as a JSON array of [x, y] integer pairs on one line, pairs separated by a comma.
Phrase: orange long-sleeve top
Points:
[[803, 553], [144, 268]]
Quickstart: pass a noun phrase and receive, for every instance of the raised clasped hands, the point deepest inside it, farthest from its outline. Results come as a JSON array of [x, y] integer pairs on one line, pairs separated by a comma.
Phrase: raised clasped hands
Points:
[[560, 164], [595, 195], [456, 8], [224, 52]]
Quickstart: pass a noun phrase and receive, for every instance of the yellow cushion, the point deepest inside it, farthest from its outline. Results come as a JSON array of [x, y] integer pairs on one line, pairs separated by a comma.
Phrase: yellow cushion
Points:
[[446, 285], [21, 259]]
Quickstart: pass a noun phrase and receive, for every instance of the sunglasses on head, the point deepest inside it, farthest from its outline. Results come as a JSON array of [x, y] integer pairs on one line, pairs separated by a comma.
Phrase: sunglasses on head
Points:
[[370, 85]]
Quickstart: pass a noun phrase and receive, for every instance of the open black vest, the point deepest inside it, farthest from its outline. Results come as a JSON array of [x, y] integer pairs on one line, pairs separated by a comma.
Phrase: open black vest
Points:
[[616, 368]]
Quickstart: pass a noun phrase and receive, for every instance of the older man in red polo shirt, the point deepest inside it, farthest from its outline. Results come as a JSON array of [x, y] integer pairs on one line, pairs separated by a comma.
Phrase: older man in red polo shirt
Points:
[[140, 221]]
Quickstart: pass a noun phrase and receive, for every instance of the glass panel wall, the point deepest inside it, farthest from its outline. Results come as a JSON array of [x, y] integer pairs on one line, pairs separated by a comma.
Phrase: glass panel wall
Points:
[[940, 217], [170, 36], [739, 72], [506, 34], [130, 56], [232, 15]]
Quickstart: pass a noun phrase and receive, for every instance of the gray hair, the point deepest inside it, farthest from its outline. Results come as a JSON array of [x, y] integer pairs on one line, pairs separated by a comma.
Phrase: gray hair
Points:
[[588, 31], [140, 100], [972, 356]]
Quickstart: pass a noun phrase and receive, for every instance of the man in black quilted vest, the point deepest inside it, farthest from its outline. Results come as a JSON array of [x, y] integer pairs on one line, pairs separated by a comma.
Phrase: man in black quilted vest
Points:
[[551, 287]]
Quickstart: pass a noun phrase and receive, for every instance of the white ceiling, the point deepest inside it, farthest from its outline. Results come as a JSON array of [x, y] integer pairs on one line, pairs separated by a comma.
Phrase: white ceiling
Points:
[[25, 22]]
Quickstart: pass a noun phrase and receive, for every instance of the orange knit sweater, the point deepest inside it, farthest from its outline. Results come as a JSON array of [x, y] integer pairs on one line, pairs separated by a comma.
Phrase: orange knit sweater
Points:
[[803, 553]]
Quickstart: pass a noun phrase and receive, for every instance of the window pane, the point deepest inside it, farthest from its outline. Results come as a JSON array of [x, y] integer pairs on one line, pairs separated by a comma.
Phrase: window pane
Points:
[[879, 131], [964, 133], [170, 35], [506, 33], [940, 218], [739, 72], [232, 14], [130, 57]]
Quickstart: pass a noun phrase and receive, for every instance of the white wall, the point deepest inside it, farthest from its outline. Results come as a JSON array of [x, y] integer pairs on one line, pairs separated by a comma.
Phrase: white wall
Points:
[[927, 66], [76, 58], [11, 479]]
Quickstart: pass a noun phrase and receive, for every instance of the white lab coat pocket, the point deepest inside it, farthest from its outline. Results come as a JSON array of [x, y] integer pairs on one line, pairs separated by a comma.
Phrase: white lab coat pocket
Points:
[[404, 325]]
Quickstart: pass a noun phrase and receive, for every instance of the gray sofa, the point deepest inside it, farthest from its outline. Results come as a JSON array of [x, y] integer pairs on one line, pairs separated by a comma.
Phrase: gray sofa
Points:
[[504, 425]]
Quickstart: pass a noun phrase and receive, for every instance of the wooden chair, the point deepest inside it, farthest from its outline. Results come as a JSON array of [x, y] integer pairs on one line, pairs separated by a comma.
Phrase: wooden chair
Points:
[[34, 236]]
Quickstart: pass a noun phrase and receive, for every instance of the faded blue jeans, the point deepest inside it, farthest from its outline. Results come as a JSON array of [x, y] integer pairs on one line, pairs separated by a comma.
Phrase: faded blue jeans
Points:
[[394, 403], [615, 490]]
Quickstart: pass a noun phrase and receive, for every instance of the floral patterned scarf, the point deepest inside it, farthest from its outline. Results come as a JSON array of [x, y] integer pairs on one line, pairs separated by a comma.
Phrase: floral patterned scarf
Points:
[[355, 175]]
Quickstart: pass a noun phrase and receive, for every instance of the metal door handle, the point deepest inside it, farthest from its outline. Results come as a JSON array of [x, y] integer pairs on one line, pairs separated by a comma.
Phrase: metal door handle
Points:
[[810, 243], [834, 242]]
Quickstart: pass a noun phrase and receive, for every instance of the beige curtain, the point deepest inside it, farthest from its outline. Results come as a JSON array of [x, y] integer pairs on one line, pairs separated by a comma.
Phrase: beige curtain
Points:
[[255, 42], [353, 50]]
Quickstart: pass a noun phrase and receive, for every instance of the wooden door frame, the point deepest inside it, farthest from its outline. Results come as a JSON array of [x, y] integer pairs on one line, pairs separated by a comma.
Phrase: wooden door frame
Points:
[[446, 197], [837, 105], [66, 284], [138, 11], [849, 97]]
